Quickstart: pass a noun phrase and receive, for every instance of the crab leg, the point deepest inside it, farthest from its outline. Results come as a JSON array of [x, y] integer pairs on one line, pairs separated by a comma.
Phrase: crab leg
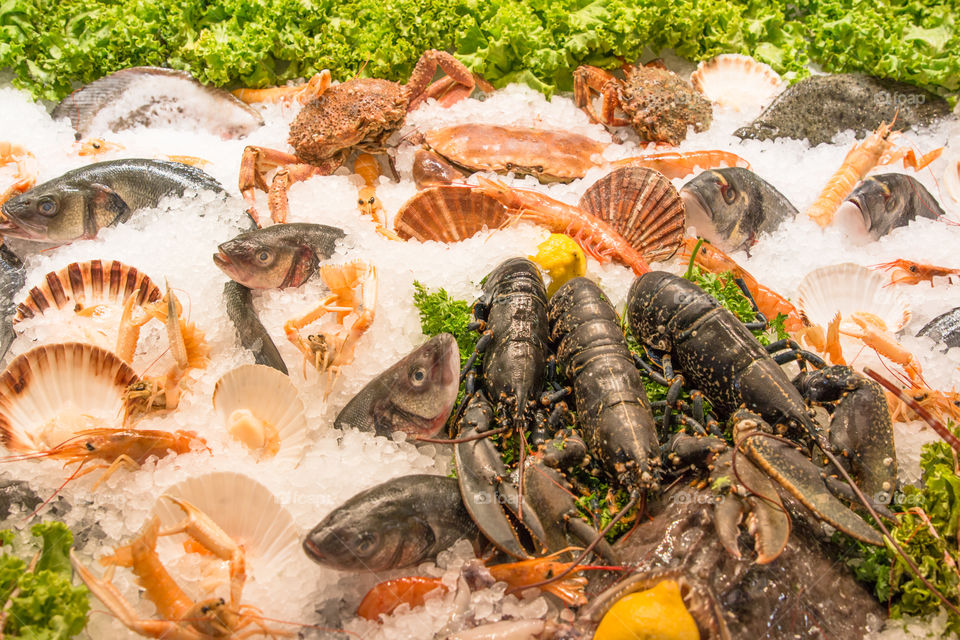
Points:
[[586, 80], [426, 68], [257, 161]]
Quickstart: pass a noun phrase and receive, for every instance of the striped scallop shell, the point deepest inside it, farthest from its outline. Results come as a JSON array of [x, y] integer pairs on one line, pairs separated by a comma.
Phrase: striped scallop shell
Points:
[[271, 397], [448, 213], [54, 390], [246, 510], [643, 206], [85, 284], [736, 81], [850, 288]]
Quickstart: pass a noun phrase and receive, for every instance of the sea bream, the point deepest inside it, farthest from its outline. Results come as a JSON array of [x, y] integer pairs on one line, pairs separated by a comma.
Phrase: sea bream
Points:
[[883, 202], [397, 524], [82, 201], [732, 207], [415, 395], [284, 255]]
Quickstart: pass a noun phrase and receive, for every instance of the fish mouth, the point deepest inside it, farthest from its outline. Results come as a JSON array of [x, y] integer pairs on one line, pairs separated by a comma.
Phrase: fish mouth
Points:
[[14, 228], [696, 210], [312, 550], [221, 259]]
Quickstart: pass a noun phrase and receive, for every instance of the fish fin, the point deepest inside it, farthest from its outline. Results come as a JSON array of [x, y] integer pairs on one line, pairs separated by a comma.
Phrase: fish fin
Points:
[[103, 199]]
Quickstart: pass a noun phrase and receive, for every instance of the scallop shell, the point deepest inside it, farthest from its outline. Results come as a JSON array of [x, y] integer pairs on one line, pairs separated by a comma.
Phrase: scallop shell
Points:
[[848, 288], [47, 388], [270, 396], [247, 512], [736, 81], [86, 284], [951, 177], [448, 213], [643, 206]]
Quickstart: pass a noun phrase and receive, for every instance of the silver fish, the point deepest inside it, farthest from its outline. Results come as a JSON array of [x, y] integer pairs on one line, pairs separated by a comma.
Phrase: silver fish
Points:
[[253, 335], [415, 395], [151, 96], [81, 202], [397, 524]]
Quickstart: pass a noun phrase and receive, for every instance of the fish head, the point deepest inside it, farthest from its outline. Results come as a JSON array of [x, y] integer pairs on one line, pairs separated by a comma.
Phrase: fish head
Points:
[[415, 395], [369, 536], [261, 259], [716, 203], [61, 211]]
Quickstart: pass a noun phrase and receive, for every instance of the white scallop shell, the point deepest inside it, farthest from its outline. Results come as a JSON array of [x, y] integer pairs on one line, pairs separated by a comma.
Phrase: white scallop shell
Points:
[[736, 81], [246, 511], [848, 288], [951, 177], [54, 390], [271, 397]]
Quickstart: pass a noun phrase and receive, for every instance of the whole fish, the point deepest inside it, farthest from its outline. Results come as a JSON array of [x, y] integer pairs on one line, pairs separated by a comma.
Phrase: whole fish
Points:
[[819, 107], [397, 524], [945, 328], [253, 335], [12, 277], [284, 255], [732, 207], [887, 201], [415, 395], [153, 96], [81, 202]]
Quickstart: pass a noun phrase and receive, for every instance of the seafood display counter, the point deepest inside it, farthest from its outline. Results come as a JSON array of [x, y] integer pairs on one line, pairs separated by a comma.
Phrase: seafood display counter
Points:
[[671, 357]]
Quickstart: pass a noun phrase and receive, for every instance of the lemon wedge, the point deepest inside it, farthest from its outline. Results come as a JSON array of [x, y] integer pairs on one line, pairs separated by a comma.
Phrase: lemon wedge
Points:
[[654, 614]]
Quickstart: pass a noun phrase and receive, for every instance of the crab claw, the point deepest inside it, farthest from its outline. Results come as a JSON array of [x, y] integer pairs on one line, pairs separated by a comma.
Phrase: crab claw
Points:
[[797, 474], [748, 490]]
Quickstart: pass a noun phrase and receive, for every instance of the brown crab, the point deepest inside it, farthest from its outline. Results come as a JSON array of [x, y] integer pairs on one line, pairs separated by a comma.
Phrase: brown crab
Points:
[[657, 102], [357, 114]]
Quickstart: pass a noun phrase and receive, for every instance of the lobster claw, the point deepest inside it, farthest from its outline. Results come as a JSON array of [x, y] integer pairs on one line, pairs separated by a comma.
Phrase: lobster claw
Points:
[[860, 429], [485, 488], [797, 474], [750, 491]]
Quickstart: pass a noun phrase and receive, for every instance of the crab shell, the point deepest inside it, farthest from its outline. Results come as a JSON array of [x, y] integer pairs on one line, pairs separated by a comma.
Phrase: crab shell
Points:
[[359, 113], [551, 156]]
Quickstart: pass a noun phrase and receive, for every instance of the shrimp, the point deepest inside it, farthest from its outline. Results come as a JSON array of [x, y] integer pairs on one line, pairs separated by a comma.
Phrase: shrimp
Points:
[[95, 147], [26, 175], [187, 345], [674, 164], [876, 149], [595, 236], [367, 167], [331, 349], [301, 93], [876, 337], [907, 272], [114, 448], [945, 405], [770, 303], [385, 597], [184, 619]]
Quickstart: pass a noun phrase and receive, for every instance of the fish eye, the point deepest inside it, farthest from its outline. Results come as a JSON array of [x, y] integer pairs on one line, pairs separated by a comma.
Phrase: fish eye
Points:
[[419, 375], [47, 206], [263, 256], [729, 193], [366, 543]]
